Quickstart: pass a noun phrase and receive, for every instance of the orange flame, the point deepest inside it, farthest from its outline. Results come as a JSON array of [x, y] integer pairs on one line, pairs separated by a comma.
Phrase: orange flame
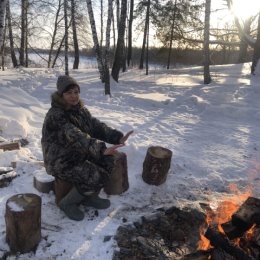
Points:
[[225, 209]]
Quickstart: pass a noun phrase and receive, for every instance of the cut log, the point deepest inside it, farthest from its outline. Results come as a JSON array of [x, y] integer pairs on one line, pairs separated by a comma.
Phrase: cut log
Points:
[[6, 178], [118, 182], [10, 146], [245, 216], [219, 240], [61, 189], [23, 222], [156, 165], [43, 182]]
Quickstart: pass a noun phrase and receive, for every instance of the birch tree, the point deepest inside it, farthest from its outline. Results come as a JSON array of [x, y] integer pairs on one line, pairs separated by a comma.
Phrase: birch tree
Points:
[[10, 32], [95, 40], [207, 78], [2, 19]]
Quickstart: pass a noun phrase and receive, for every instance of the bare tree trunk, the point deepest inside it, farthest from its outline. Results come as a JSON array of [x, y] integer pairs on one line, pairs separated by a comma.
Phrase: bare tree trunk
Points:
[[207, 78], [141, 65], [256, 54], [130, 24], [58, 51], [3, 48], [75, 37], [11, 39], [107, 48], [243, 43], [117, 13], [114, 33], [56, 23], [2, 19], [66, 46], [95, 40], [101, 24], [171, 39], [23, 29], [26, 34], [119, 56], [147, 41]]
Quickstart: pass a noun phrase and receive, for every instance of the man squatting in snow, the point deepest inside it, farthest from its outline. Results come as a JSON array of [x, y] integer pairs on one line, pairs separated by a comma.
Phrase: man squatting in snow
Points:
[[74, 149]]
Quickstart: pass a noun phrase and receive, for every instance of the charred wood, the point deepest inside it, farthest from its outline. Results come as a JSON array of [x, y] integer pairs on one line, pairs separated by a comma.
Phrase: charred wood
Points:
[[245, 216], [219, 240], [232, 231]]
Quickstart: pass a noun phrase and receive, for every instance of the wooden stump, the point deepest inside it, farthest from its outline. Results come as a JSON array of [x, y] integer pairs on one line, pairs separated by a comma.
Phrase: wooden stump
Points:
[[43, 182], [156, 165], [61, 189], [23, 222], [118, 182]]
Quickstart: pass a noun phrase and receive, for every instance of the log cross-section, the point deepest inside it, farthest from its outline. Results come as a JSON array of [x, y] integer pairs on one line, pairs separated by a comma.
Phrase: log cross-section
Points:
[[156, 165], [23, 222]]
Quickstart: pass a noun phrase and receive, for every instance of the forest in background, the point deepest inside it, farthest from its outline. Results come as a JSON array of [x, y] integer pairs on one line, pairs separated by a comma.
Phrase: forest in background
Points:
[[128, 33]]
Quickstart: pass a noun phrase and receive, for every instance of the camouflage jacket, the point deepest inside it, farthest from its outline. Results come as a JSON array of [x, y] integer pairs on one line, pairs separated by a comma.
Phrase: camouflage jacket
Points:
[[73, 141]]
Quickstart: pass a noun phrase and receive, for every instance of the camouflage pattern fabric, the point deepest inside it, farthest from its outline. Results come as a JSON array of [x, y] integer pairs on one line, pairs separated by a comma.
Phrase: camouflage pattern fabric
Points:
[[73, 143]]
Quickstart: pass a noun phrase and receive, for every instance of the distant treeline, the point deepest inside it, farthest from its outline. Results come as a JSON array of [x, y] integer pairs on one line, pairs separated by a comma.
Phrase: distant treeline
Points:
[[160, 55]]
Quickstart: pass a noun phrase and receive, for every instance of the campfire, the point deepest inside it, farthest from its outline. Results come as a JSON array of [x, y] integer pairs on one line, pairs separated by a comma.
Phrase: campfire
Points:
[[232, 232], [229, 230]]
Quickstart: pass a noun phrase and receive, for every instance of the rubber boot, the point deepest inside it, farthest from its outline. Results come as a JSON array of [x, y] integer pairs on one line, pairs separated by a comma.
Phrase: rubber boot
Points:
[[96, 202], [69, 204]]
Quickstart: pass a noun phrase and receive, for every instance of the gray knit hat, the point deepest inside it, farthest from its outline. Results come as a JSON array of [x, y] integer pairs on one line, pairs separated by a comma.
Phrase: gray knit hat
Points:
[[64, 81]]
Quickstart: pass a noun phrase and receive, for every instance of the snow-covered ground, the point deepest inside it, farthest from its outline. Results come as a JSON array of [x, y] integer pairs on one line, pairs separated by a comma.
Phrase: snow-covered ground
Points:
[[212, 131]]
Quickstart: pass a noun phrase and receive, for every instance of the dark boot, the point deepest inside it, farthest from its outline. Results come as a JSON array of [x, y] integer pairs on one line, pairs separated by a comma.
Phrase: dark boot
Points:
[[96, 202], [69, 204]]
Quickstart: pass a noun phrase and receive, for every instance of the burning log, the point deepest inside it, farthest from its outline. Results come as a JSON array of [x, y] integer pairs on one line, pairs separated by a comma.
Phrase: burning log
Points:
[[232, 231], [247, 214], [219, 240]]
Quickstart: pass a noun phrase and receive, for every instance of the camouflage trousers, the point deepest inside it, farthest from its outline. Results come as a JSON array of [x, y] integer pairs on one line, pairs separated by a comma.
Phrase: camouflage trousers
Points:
[[88, 176]]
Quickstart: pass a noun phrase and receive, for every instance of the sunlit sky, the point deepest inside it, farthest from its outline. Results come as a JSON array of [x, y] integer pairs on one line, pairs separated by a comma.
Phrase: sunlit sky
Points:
[[246, 8], [241, 8]]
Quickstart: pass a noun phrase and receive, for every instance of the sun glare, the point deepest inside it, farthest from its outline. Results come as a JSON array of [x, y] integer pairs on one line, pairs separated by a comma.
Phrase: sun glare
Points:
[[244, 9]]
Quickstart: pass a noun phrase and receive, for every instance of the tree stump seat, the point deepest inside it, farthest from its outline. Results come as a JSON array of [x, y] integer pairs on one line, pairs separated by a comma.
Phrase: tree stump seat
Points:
[[156, 165], [118, 182], [23, 222], [43, 182], [61, 189]]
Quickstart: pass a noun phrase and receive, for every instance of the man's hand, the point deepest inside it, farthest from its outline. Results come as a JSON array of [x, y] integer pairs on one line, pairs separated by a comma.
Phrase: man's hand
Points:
[[113, 149], [125, 137]]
